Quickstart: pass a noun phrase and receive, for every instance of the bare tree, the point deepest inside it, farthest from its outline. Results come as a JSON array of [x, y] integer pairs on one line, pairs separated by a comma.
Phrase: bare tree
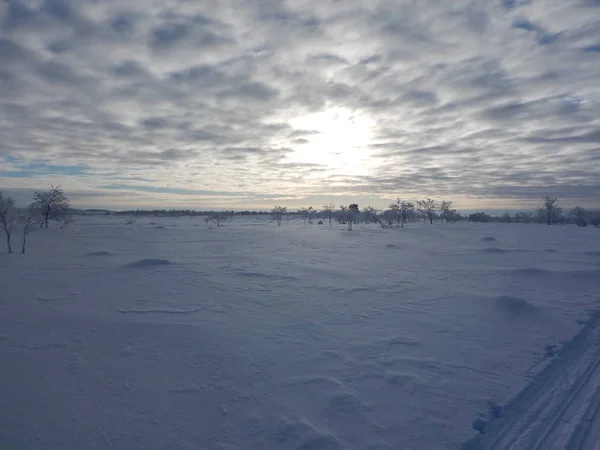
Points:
[[329, 211], [594, 217], [217, 218], [307, 214], [523, 217], [52, 205], [407, 209], [278, 212], [348, 215], [372, 215], [29, 222], [550, 210], [8, 219], [427, 208], [579, 215], [394, 211], [389, 217], [447, 213]]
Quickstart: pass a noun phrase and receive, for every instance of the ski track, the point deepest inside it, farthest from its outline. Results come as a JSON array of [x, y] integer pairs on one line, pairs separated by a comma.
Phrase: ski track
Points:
[[559, 409]]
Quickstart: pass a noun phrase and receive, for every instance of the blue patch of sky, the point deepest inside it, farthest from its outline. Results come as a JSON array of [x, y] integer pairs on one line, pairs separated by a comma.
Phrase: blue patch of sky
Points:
[[542, 36], [27, 170], [592, 48]]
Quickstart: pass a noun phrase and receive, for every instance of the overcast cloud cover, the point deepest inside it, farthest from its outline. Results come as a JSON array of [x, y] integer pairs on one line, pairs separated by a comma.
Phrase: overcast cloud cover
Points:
[[234, 103]]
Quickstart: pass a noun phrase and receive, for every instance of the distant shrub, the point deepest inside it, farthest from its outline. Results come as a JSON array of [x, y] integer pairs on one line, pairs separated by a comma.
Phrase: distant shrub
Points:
[[217, 218], [479, 217]]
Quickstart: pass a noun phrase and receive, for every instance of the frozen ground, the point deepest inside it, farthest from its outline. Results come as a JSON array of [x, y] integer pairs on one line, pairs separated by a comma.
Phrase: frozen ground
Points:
[[169, 334]]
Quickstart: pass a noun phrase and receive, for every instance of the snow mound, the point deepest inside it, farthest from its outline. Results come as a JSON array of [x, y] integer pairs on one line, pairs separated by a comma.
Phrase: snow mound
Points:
[[265, 275], [100, 253], [149, 262], [304, 436], [43, 298], [493, 250], [488, 239], [401, 379], [316, 379], [529, 271], [514, 306], [403, 340], [346, 403]]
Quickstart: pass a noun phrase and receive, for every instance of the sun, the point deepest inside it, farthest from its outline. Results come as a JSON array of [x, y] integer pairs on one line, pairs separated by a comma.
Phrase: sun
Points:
[[340, 139]]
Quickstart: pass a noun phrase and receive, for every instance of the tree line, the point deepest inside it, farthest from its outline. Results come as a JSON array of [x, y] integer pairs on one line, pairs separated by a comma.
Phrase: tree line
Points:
[[397, 215], [401, 212], [549, 213], [48, 206]]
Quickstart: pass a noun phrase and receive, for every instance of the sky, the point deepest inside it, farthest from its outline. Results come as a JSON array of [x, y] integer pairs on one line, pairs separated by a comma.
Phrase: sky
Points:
[[244, 104]]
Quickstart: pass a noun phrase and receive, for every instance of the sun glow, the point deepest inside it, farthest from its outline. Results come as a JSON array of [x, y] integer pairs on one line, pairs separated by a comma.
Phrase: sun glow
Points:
[[339, 141]]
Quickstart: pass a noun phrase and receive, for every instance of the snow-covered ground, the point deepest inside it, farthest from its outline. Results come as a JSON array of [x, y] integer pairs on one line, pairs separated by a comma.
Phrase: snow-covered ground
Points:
[[167, 333]]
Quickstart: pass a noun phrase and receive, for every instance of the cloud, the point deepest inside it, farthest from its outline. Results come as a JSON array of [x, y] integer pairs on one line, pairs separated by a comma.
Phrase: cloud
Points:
[[488, 100]]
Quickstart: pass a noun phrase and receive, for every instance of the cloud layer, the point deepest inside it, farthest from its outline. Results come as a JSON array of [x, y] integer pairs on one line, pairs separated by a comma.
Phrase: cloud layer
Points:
[[207, 103]]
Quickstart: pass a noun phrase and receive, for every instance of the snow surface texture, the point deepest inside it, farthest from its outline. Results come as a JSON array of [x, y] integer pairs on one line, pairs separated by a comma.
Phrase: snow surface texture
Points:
[[167, 333]]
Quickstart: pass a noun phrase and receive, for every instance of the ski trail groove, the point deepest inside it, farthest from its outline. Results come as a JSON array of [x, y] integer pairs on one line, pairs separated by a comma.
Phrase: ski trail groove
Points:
[[560, 408]]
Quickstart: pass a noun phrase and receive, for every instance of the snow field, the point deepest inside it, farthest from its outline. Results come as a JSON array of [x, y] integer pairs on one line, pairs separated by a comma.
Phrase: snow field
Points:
[[169, 333]]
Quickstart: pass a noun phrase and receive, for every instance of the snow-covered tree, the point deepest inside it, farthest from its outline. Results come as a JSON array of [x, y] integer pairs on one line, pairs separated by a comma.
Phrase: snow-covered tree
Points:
[[348, 215], [307, 214], [394, 211], [447, 213], [594, 218], [407, 210], [217, 217], [329, 211], [523, 217], [52, 205], [427, 208], [8, 219], [550, 211], [479, 217], [372, 215], [389, 217], [278, 212], [579, 216]]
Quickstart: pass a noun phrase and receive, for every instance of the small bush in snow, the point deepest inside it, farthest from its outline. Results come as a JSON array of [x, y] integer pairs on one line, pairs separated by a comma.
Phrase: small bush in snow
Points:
[[278, 212], [217, 218]]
